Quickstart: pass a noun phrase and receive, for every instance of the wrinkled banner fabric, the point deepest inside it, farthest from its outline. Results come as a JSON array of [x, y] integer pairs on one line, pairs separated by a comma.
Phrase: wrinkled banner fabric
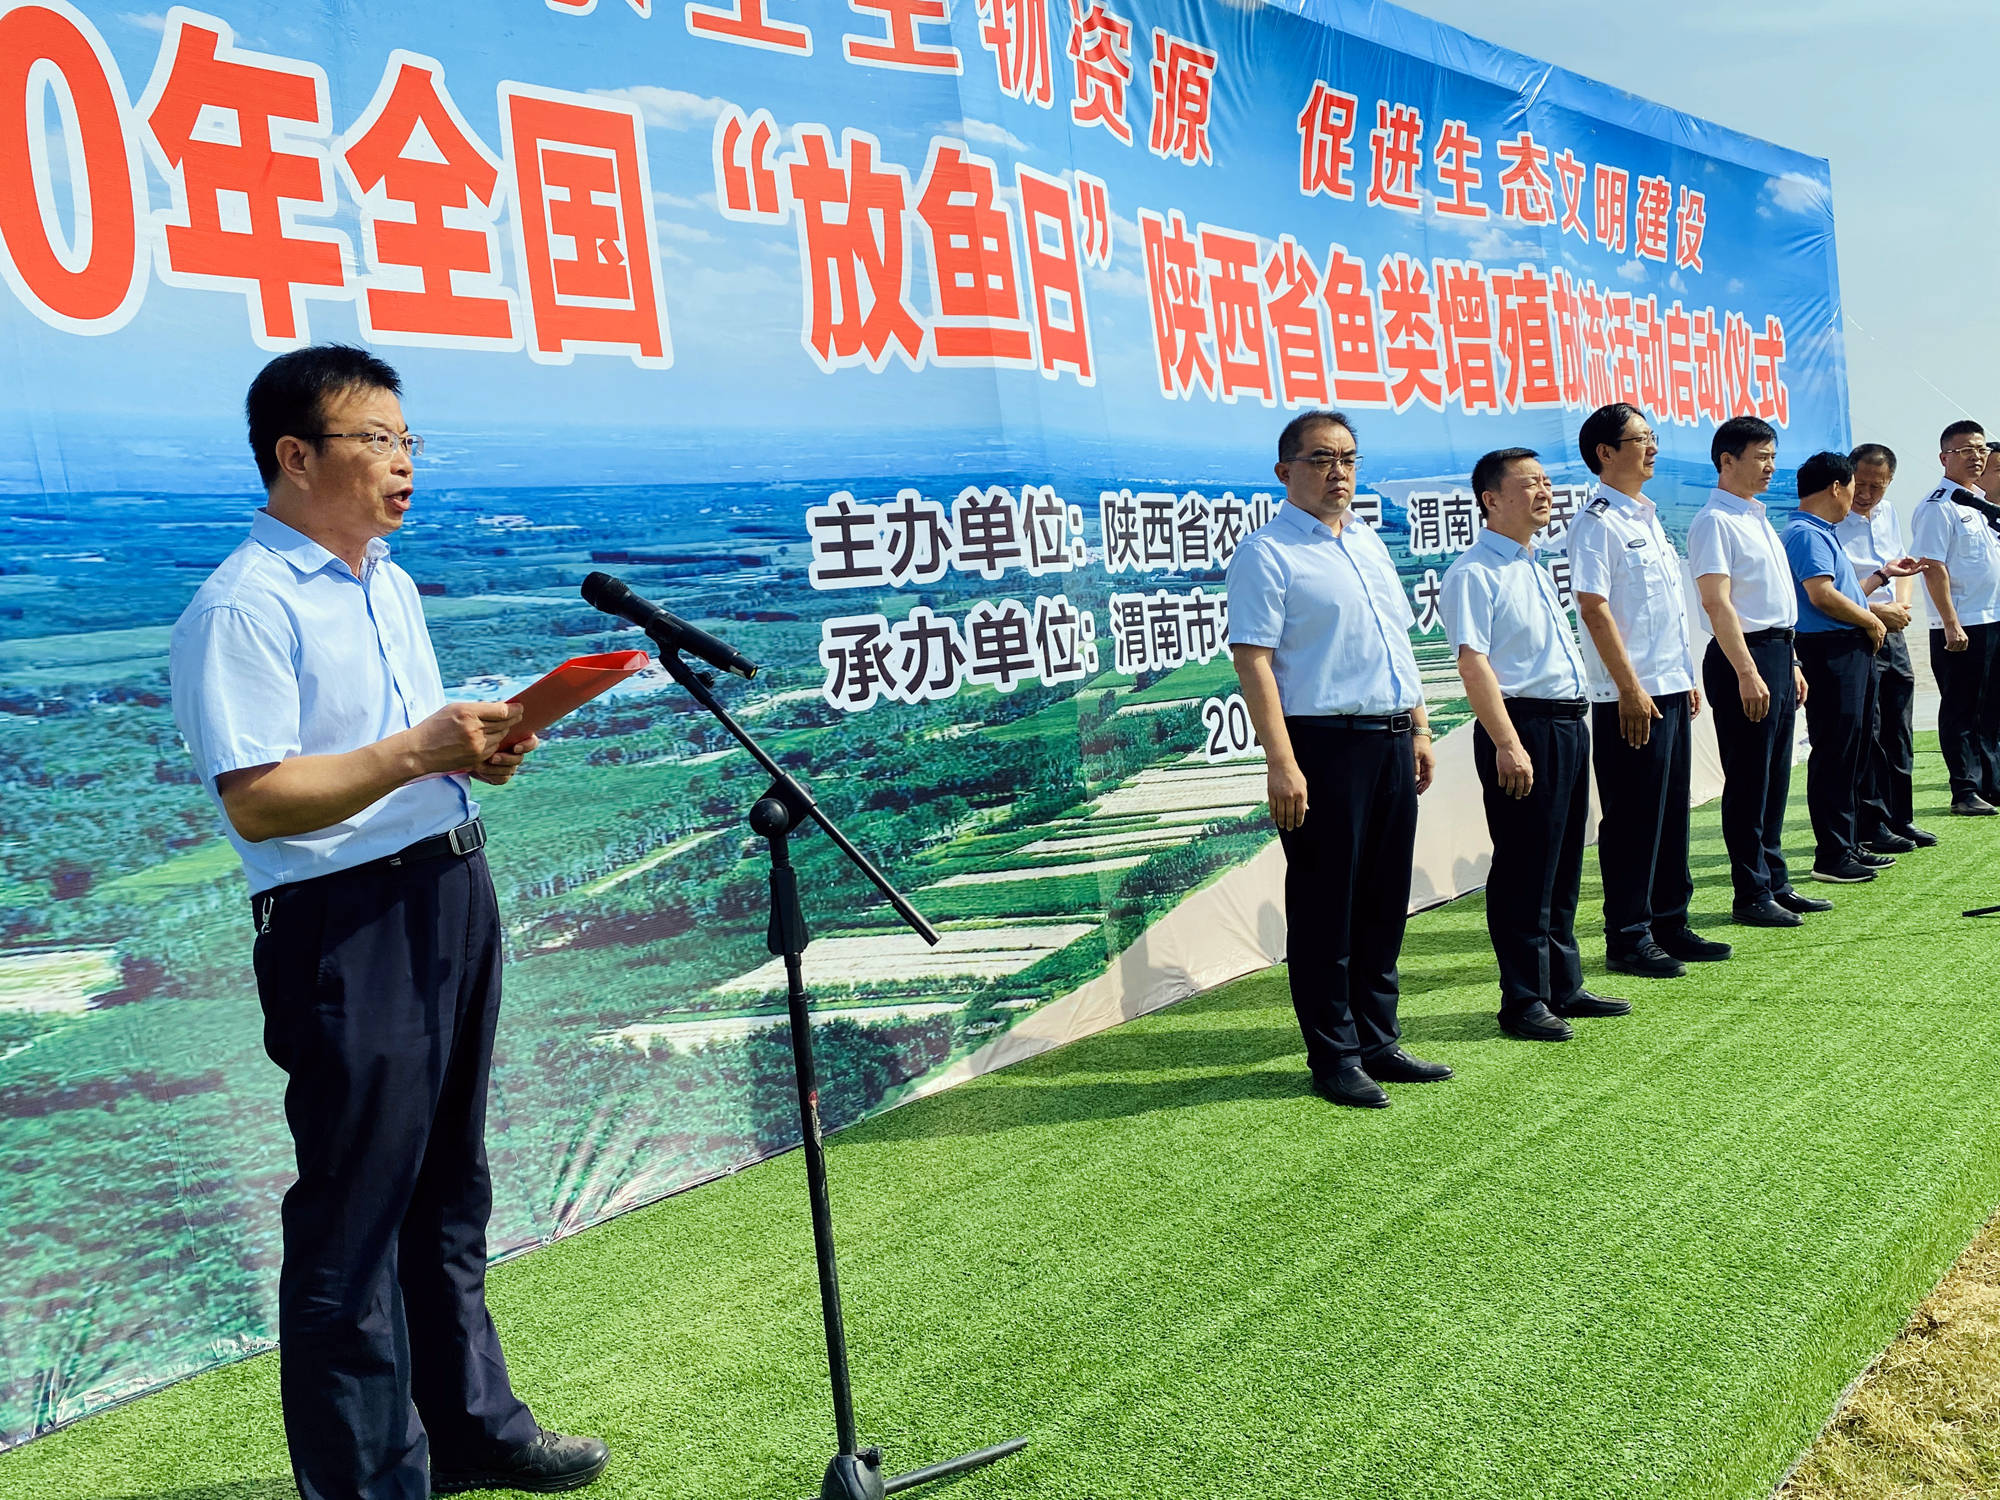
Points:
[[932, 351]]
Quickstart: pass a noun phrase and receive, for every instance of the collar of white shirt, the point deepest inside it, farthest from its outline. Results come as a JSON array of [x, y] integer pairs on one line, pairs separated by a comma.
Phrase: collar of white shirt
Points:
[[1503, 547], [1301, 519], [1636, 505], [304, 554], [1724, 500]]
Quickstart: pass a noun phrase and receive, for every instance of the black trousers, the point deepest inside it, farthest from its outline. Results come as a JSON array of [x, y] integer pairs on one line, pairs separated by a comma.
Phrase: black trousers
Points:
[[1840, 689], [1537, 857], [1888, 741], [1969, 710], [1642, 837], [1756, 766], [1347, 889], [381, 989]]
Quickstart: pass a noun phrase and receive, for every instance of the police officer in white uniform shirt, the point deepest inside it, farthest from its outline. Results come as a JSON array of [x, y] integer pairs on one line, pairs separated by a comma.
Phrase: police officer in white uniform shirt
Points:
[[1753, 681], [1319, 627], [1961, 556], [1523, 677], [1639, 670], [1872, 540]]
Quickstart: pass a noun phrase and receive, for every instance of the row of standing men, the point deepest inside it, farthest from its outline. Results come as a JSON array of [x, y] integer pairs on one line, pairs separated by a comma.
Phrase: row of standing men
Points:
[[1810, 620]]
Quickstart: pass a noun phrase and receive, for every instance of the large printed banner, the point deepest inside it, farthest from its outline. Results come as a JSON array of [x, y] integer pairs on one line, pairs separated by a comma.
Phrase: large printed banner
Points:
[[934, 352]]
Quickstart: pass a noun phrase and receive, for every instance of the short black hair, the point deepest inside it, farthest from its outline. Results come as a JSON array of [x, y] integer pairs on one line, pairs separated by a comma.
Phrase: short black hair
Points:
[[1875, 453], [1294, 436], [1491, 471], [1737, 435], [288, 397], [1605, 425], [1959, 430], [1823, 471]]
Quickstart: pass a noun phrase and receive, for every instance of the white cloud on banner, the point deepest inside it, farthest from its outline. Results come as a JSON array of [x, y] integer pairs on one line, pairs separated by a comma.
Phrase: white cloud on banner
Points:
[[668, 109], [985, 133], [1633, 270], [1794, 193]]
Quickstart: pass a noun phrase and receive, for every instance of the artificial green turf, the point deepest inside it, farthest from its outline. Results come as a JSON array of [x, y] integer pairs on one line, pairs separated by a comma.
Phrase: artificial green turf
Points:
[[1644, 1263]]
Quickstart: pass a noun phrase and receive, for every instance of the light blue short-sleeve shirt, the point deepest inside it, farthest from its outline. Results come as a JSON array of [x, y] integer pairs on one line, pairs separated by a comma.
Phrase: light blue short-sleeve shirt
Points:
[[1872, 542], [1499, 601], [1959, 537], [1734, 537], [1619, 551], [1333, 611], [284, 652]]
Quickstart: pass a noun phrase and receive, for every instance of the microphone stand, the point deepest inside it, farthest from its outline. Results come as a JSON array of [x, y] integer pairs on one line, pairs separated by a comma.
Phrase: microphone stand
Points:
[[854, 1473]]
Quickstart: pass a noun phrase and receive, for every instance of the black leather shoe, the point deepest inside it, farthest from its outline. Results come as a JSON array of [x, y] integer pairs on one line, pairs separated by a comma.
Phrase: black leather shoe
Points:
[[1970, 806], [1798, 901], [1536, 1024], [1397, 1066], [1352, 1085], [1886, 842], [1764, 913], [1583, 1003], [1847, 872], [1648, 959], [1691, 947], [551, 1463], [1874, 861], [1918, 836]]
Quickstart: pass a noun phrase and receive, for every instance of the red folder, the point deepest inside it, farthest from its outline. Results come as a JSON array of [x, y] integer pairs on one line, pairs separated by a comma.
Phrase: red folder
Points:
[[569, 687]]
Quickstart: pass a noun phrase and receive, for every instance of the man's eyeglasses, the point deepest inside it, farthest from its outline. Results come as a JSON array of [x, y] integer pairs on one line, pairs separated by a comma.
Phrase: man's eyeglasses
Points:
[[1326, 463], [1979, 448], [382, 444], [1651, 439]]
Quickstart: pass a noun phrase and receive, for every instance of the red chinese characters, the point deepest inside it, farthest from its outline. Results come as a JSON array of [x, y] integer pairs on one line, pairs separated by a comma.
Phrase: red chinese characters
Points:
[[1292, 303], [1572, 174], [220, 119], [1395, 149], [1358, 378], [747, 24], [1526, 193], [746, 181], [583, 226], [1326, 142], [85, 285], [1176, 296], [1016, 32], [1651, 217], [1055, 271], [980, 315], [1613, 185], [1183, 77], [429, 193], [1767, 352], [1236, 303], [1525, 321], [1410, 334], [855, 247], [1691, 223], [1465, 322], [1454, 156], [1100, 46], [901, 47]]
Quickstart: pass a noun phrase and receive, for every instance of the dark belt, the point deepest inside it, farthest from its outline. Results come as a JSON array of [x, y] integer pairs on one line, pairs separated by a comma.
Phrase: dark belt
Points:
[[1546, 708], [467, 838], [1765, 637], [1373, 723]]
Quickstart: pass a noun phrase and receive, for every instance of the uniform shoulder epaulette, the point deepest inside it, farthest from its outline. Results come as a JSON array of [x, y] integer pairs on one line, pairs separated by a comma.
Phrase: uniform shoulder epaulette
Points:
[[1597, 507], [1942, 492]]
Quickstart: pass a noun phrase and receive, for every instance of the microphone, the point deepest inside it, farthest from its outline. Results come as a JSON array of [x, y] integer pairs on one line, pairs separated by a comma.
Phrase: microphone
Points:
[[1986, 508], [615, 597]]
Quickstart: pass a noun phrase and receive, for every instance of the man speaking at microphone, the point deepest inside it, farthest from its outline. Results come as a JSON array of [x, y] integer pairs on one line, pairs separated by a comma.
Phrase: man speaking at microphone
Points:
[[306, 688]]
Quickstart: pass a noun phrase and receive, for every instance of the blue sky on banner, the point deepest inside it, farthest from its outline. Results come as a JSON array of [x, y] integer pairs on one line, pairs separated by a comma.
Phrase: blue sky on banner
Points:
[[740, 389]]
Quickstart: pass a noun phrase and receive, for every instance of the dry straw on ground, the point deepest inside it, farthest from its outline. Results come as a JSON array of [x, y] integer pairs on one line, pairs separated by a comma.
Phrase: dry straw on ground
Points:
[[1924, 1422]]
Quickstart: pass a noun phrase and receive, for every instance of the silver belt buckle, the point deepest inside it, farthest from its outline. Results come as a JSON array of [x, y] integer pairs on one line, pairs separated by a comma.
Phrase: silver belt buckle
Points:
[[1402, 723], [466, 838]]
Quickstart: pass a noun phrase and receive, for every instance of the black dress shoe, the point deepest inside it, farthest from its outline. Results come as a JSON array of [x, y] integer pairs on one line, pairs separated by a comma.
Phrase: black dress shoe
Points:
[[1648, 959], [1886, 842], [1536, 1024], [1352, 1085], [551, 1463], [1798, 901], [1397, 1066], [1847, 872], [1970, 806], [1922, 838], [1764, 913], [1583, 1003], [1691, 947], [1874, 861]]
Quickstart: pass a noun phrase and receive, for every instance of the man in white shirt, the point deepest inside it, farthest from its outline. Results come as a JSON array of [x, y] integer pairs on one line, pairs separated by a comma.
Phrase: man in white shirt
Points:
[[1639, 670], [1872, 539], [1752, 679], [1523, 676], [1961, 556]]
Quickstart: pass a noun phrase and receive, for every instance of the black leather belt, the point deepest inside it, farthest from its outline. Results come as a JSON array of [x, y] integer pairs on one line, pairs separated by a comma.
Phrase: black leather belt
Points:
[[1765, 637], [1546, 708], [467, 838], [1375, 723]]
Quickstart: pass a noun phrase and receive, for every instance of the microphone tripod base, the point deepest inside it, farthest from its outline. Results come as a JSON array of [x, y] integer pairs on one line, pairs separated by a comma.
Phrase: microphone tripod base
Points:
[[858, 1476], [1982, 911]]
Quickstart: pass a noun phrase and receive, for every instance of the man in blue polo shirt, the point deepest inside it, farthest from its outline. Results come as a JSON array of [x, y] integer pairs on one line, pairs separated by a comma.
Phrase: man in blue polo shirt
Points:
[[1837, 641], [1319, 628], [306, 688]]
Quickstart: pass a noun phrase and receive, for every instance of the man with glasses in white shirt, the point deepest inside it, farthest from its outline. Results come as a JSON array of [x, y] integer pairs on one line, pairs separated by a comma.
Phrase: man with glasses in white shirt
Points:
[[1531, 747], [1639, 667], [1961, 556], [1872, 540], [1754, 684], [306, 688], [1319, 628]]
